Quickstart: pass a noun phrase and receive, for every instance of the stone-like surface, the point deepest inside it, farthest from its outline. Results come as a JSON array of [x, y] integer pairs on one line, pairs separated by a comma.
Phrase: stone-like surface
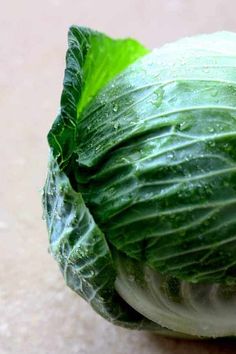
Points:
[[38, 314]]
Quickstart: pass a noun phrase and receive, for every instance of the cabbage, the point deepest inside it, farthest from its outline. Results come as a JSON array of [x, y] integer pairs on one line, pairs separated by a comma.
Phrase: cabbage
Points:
[[140, 197]]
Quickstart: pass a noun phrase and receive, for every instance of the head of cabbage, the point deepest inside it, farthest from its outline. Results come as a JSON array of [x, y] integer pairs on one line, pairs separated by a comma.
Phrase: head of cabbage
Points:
[[140, 197]]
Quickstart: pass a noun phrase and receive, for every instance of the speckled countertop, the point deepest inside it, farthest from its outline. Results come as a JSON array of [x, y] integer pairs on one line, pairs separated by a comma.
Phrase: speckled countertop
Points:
[[38, 314]]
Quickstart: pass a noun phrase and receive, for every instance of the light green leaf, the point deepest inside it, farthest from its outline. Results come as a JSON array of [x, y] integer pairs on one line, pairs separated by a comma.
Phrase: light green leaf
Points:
[[92, 60]]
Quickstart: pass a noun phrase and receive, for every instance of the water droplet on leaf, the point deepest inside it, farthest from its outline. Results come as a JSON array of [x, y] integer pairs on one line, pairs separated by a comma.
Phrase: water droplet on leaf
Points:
[[115, 107]]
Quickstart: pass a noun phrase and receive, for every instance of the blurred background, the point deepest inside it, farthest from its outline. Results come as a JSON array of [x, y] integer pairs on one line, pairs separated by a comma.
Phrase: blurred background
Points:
[[38, 313]]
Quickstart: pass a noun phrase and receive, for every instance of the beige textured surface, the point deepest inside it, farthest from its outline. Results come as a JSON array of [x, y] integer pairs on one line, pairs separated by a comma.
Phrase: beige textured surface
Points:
[[38, 314]]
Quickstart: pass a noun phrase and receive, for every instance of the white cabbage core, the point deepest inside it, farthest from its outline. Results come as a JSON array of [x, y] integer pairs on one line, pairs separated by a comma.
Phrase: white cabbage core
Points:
[[204, 310]]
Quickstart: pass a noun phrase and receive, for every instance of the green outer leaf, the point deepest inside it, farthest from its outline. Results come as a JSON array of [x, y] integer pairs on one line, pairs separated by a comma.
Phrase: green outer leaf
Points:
[[159, 159], [81, 250], [92, 60]]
